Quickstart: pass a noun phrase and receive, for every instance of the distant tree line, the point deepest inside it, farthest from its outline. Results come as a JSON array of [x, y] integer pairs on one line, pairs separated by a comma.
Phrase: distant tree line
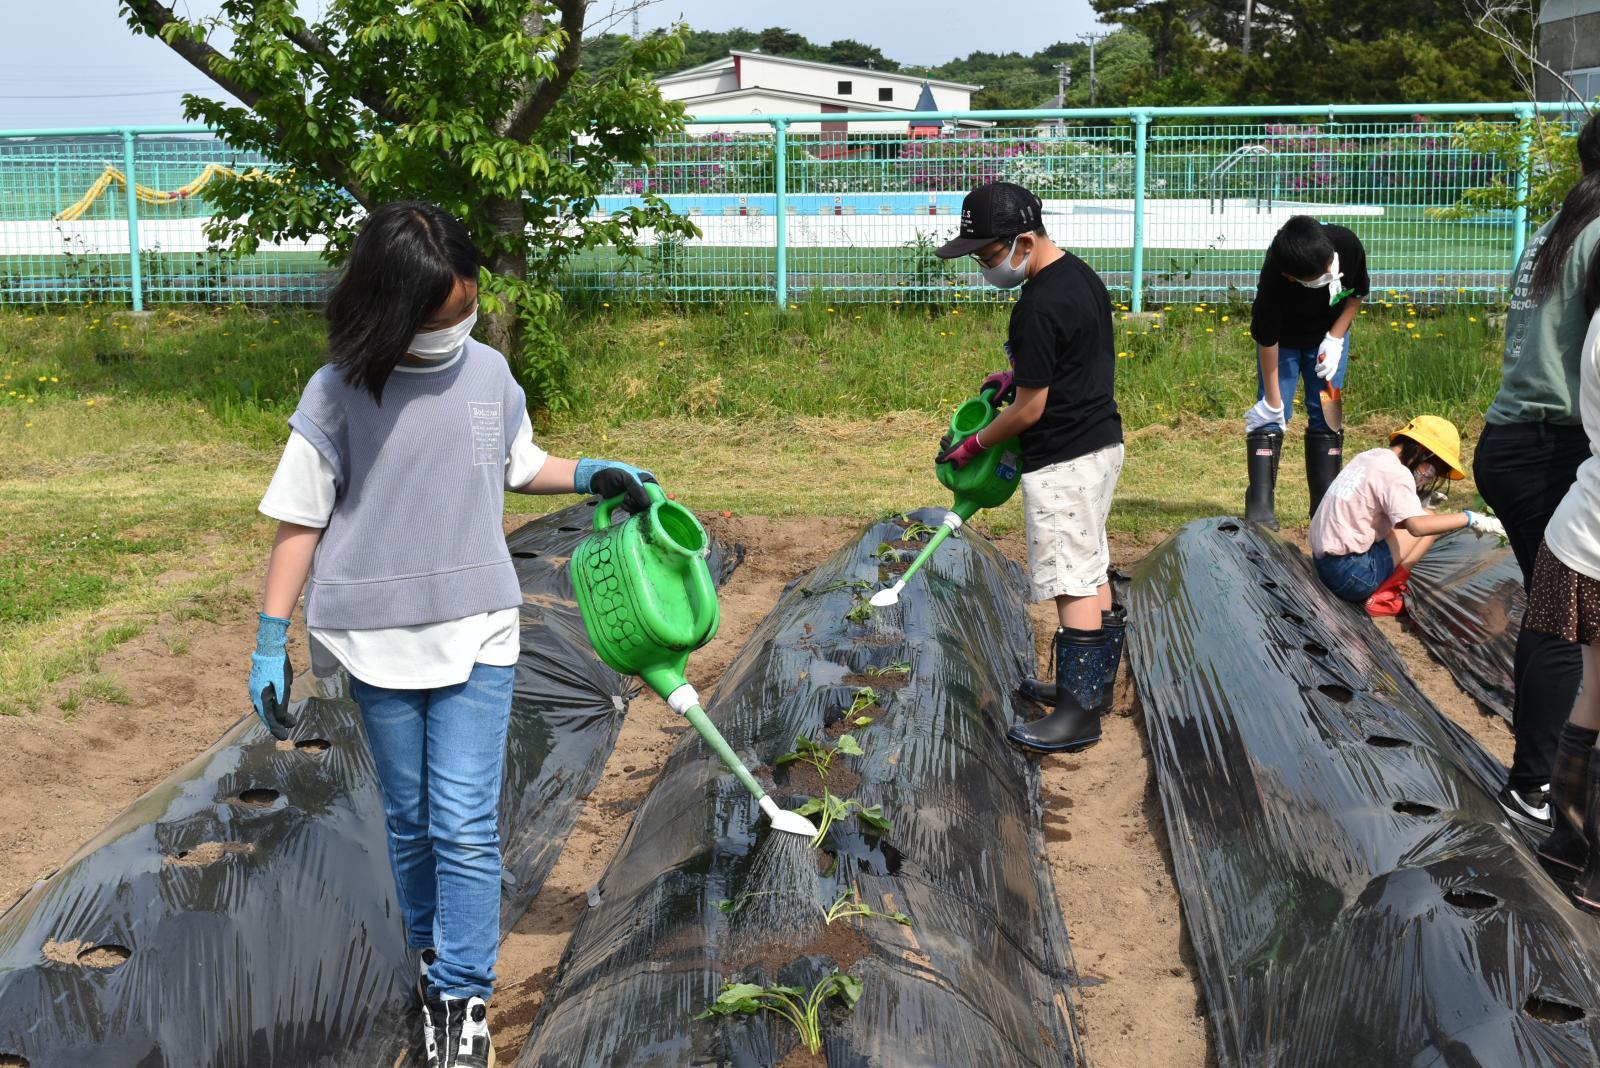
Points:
[[1193, 52]]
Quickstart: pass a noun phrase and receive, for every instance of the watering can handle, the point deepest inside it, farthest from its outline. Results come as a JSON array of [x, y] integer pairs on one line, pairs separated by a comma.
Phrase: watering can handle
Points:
[[603, 510]]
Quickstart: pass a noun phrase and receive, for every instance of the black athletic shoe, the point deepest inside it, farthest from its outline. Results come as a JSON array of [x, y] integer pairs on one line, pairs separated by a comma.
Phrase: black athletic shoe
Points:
[[467, 1042], [428, 957], [1530, 809]]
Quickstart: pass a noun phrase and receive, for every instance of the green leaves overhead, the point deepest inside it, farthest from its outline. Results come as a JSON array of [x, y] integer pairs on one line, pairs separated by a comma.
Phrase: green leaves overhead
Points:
[[480, 107]]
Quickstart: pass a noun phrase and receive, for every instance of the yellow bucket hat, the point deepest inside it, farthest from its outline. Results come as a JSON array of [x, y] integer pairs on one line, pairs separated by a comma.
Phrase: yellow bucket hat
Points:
[[1438, 436]]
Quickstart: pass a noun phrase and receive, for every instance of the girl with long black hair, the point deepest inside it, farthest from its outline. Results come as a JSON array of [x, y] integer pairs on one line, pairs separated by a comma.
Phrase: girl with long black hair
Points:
[[1529, 453], [1565, 604], [389, 498]]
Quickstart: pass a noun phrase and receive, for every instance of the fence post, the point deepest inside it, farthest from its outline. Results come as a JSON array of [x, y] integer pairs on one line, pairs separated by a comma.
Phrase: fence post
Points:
[[780, 145], [133, 221], [1141, 125], [1519, 236]]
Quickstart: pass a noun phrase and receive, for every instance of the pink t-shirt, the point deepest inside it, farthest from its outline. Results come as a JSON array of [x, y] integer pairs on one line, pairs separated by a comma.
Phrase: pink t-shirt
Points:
[[1371, 497]]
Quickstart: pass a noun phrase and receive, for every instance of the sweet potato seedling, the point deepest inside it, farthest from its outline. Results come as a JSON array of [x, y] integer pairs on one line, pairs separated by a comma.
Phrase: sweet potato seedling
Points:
[[850, 904], [819, 756], [862, 611], [830, 810], [864, 699], [840, 584], [801, 1008], [916, 530]]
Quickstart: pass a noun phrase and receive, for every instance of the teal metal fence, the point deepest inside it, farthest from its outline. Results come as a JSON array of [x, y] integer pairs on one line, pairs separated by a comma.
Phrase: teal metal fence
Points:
[[1168, 204]]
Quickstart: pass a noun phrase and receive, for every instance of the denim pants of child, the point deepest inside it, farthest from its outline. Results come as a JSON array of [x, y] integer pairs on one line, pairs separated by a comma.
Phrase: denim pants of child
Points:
[[1295, 365], [440, 755]]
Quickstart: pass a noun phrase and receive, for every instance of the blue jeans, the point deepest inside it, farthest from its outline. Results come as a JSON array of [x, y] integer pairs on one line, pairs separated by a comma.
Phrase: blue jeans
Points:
[[1295, 365], [439, 756], [1356, 577]]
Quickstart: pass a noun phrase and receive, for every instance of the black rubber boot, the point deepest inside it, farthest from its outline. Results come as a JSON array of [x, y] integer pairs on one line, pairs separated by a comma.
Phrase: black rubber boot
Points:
[[1262, 449], [1324, 458], [1566, 849], [1587, 890], [1114, 623], [1080, 673]]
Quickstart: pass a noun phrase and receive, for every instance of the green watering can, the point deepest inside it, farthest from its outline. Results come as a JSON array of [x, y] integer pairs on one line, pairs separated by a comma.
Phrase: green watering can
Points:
[[647, 600], [988, 481]]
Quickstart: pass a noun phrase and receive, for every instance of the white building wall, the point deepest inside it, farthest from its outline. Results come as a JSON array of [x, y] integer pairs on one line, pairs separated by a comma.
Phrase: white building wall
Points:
[[756, 102], [864, 84], [717, 81]]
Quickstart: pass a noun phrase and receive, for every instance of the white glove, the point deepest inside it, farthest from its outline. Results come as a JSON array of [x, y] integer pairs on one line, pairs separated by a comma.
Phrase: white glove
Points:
[[1262, 415], [1329, 353], [1481, 524]]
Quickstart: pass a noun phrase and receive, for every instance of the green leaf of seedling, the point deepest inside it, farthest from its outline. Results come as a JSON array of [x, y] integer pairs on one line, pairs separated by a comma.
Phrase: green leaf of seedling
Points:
[[874, 817], [787, 758], [735, 997], [847, 988], [861, 721], [848, 746], [726, 906], [810, 808], [900, 918]]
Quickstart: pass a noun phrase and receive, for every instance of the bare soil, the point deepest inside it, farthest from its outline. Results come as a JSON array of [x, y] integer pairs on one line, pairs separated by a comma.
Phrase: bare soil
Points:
[[839, 942], [1105, 836]]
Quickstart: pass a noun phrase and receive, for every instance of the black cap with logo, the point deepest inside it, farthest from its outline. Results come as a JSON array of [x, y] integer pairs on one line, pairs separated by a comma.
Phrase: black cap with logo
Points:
[[998, 211]]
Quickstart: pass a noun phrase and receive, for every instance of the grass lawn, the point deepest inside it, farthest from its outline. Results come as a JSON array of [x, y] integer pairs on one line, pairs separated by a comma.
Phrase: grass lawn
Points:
[[136, 449]]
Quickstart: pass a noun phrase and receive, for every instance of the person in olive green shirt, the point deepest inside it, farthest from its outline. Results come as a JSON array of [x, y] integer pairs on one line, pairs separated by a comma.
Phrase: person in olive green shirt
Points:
[[1528, 457]]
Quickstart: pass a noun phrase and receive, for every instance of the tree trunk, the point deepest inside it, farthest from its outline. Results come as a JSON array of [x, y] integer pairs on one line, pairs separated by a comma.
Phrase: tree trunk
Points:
[[502, 329]]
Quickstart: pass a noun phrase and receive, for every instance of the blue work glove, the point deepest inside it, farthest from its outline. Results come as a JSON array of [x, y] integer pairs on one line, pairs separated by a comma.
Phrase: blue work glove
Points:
[[269, 676], [608, 478]]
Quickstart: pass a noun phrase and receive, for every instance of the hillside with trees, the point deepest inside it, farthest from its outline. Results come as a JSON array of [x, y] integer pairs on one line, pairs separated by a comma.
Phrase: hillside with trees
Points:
[[1193, 52]]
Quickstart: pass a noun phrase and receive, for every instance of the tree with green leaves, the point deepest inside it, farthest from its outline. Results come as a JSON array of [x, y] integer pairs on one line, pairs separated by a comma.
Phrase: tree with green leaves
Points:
[[1301, 51], [480, 106]]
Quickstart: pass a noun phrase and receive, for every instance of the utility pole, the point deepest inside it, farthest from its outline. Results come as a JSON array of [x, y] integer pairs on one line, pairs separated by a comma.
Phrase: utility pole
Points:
[[636, 22], [1249, 10], [1092, 39], [1063, 79]]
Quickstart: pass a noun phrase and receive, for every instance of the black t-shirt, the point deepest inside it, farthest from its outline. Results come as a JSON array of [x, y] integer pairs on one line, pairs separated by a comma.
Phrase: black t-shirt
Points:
[[1061, 339], [1287, 313]]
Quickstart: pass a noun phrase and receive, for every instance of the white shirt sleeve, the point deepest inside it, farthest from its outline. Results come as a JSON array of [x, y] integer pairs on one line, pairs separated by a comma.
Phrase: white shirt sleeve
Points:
[[525, 460], [304, 486]]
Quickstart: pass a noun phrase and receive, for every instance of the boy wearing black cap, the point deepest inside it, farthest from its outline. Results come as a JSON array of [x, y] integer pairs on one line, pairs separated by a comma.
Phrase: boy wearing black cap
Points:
[[1062, 406], [1312, 284]]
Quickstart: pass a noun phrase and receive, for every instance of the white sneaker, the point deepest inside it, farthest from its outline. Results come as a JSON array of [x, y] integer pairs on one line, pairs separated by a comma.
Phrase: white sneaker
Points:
[[1531, 809], [467, 1043], [433, 1032]]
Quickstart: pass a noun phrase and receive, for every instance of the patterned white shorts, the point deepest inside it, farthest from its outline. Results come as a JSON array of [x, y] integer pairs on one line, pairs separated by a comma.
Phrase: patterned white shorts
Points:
[[1065, 507]]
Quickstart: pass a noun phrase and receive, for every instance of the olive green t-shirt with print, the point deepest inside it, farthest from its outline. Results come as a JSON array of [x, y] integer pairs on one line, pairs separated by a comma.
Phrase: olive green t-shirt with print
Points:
[[1539, 368]]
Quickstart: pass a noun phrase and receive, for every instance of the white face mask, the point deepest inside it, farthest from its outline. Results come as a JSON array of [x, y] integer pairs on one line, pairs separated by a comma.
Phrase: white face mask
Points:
[[1331, 279], [437, 344], [1003, 274]]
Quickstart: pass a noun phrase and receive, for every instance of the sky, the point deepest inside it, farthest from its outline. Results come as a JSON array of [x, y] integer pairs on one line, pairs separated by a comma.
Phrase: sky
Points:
[[74, 63]]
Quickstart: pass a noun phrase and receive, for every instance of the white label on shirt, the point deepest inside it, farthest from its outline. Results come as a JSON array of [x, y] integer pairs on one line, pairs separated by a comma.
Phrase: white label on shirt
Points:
[[488, 433]]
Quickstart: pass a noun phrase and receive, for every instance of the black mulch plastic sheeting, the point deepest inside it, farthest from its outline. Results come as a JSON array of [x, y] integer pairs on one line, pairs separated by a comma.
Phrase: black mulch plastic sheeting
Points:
[[1353, 892], [249, 894], [1466, 600], [982, 978]]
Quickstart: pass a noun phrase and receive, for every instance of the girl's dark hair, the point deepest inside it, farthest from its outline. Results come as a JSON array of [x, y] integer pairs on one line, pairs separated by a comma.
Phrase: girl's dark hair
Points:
[[1301, 248], [1413, 453], [406, 260], [1580, 208]]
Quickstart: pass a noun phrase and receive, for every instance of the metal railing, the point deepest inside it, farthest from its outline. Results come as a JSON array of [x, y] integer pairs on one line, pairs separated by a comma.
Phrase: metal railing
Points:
[[1168, 204]]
